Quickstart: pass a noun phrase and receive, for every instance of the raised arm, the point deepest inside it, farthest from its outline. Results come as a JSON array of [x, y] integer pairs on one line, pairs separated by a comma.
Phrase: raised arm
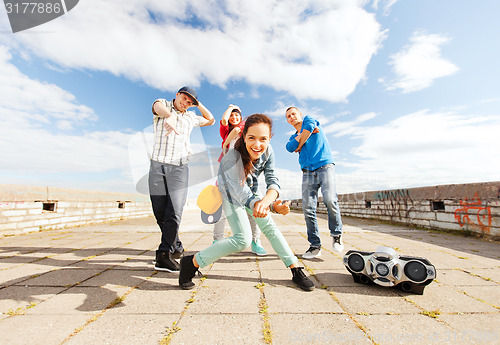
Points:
[[206, 114], [227, 113]]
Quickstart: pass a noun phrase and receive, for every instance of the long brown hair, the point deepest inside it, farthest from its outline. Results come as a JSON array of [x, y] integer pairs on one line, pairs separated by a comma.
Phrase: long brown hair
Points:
[[240, 144]]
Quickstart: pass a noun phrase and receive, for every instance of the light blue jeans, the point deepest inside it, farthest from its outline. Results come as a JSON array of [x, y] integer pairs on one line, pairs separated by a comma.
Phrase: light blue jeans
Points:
[[221, 225], [312, 181], [242, 237]]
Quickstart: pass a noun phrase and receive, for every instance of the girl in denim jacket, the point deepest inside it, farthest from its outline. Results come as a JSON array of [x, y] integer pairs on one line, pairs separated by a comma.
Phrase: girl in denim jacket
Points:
[[251, 156], [231, 126]]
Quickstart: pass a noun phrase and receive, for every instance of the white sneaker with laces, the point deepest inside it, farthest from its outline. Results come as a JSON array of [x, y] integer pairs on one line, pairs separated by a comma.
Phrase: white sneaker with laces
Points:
[[338, 245], [312, 253]]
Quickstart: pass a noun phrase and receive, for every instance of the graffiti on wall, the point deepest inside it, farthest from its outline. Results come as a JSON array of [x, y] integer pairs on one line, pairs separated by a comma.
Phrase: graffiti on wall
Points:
[[396, 203], [472, 213], [396, 194]]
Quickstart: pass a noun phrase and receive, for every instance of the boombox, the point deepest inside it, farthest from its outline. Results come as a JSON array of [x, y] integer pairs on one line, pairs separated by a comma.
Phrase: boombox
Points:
[[385, 267]]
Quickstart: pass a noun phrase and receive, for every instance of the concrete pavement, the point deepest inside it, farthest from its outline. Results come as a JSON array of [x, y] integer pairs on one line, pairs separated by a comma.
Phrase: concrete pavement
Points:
[[96, 284]]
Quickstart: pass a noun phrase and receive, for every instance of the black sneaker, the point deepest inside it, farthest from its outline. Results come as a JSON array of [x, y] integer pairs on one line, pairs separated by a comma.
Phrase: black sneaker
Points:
[[301, 280], [187, 272], [166, 262]]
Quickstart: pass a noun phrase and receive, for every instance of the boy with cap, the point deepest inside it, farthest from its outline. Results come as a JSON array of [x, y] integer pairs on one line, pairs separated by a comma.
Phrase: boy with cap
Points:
[[168, 173], [316, 162]]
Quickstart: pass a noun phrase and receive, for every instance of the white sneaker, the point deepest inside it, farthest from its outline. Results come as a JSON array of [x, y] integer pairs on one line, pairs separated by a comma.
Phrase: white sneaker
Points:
[[338, 245], [312, 253]]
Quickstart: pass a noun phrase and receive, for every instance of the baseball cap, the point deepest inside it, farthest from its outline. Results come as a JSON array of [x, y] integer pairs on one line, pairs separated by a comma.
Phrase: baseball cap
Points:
[[191, 92]]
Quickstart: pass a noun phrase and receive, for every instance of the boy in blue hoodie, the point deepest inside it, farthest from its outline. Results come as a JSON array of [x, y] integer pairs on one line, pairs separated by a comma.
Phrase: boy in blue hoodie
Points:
[[316, 162]]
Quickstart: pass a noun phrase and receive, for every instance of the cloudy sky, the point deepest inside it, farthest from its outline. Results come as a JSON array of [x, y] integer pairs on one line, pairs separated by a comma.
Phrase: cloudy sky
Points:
[[407, 91]]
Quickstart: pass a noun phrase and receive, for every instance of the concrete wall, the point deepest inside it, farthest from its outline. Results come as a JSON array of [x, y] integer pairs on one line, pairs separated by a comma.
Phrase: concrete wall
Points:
[[471, 207], [465, 207], [34, 208]]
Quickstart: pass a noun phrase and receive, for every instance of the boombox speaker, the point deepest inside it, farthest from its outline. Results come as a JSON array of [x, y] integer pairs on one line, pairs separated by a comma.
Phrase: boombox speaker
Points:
[[384, 267]]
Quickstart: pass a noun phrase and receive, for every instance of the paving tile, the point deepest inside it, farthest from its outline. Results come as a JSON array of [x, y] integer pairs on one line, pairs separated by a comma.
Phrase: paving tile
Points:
[[372, 299], [115, 329], [310, 328], [42, 329], [20, 298], [447, 299], [488, 294], [231, 292], [406, 329], [283, 299], [153, 298], [461, 278], [223, 329], [474, 328], [333, 278], [122, 277], [22, 274], [78, 300], [62, 277], [492, 274]]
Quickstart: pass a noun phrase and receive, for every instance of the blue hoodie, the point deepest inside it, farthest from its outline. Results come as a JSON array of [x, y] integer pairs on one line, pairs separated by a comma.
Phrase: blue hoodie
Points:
[[316, 151]]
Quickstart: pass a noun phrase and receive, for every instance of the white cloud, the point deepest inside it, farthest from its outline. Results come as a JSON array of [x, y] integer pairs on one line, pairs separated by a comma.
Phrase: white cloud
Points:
[[387, 4], [340, 128], [37, 125], [427, 148], [490, 100], [43, 151], [288, 46], [278, 110], [420, 63], [40, 103]]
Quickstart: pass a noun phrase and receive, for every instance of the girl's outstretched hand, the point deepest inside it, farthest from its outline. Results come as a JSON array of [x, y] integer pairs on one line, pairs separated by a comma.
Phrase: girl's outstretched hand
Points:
[[282, 207], [260, 209]]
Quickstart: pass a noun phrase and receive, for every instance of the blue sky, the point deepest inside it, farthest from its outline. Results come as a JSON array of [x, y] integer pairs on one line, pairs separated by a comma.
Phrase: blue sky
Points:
[[407, 91]]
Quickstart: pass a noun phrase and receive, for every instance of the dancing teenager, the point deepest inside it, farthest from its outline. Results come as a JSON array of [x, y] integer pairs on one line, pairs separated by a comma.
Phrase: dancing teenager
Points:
[[168, 173], [251, 156], [318, 172], [231, 126]]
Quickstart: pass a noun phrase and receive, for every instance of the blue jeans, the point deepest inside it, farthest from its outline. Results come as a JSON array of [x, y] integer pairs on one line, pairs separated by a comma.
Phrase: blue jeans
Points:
[[168, 185], [312, 181], [242, 237]]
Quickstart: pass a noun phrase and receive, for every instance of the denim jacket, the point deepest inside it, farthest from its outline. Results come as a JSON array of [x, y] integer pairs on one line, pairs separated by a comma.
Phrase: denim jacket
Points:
[[241, 191]]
